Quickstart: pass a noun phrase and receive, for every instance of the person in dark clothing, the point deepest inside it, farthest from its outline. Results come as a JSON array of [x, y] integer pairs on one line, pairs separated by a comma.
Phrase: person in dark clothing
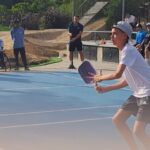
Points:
[[147, 44], [17, 35], [75, 31], [1, 51]]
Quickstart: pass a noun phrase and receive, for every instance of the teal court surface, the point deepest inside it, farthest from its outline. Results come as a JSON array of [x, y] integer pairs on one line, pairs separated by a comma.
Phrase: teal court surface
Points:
[[57, 111]]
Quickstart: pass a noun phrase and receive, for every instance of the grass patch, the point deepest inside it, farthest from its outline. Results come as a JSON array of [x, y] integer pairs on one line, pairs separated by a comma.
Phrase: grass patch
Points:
[[46, 62], [4, 28]]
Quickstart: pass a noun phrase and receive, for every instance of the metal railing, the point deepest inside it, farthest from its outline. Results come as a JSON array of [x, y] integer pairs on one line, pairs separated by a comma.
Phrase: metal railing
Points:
[[97, 36]]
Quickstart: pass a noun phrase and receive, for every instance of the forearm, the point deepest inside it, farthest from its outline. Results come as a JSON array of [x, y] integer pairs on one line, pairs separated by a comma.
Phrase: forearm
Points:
[[78, 35], [115, 86], [116, 75], [142, 43], [69, 34], [108, 77], [12, 36]]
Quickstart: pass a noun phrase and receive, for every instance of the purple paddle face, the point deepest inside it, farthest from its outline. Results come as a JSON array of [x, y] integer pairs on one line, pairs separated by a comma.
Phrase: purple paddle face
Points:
[[85, 69]]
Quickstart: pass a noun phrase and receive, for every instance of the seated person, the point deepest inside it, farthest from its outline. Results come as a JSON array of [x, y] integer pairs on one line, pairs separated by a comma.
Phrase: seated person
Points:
[[1, 52]]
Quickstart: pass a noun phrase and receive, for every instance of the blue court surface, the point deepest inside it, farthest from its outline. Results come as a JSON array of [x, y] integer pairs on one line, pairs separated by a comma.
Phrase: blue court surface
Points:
[[57, 111]]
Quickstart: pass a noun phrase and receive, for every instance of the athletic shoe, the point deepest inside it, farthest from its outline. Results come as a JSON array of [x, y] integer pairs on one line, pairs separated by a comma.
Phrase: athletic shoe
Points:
[[26, 68], [71, 66]]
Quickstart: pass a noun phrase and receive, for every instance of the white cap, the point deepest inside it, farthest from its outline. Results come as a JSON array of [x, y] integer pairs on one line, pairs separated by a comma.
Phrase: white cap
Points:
[[125, 27], [148, 24]]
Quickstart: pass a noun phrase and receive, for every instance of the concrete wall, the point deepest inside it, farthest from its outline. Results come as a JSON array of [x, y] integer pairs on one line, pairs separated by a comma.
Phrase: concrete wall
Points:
[[102, 56]]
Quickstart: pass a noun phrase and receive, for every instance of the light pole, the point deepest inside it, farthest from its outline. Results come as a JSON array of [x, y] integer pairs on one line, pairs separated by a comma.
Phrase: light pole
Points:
[[123, 9], [146, 4], [73, 8]]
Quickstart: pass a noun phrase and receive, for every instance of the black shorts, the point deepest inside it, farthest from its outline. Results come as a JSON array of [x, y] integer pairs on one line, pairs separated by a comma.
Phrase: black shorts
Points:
[[75, 45], [139, 107]]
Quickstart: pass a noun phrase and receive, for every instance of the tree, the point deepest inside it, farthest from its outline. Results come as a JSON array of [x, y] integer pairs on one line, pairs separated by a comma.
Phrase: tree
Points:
[[6, 3], [114, 10], [33, 12], [41, 5], [21, 9], [3, 12], [113, 13]]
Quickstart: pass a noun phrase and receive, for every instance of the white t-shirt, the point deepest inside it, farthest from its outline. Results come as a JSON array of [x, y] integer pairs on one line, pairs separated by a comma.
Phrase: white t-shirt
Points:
[[1, 45], [137, 71]]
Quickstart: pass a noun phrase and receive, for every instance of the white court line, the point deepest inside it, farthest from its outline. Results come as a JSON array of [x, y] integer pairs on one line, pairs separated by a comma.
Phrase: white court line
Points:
[[62, 86], [59, 110], [53, 123], [46, 87]]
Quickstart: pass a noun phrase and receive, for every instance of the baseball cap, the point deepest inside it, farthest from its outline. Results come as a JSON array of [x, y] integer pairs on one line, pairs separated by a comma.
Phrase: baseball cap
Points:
[[125, 27], [148, 24]]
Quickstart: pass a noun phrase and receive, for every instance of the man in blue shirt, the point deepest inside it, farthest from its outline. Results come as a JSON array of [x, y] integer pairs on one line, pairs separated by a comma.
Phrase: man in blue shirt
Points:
[[75, 31], [141, 34], [17, 35]]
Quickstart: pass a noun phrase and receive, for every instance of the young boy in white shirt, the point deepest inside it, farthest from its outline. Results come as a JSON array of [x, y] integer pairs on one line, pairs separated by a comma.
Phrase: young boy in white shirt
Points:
[[136, 74]]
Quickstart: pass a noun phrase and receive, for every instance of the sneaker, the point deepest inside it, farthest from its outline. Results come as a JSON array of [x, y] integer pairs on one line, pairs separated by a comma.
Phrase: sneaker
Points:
[[71, 66], [26, 68]]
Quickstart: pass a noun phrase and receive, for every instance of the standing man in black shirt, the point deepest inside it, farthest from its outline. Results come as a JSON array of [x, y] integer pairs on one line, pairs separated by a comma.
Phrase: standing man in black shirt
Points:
[[75, 31]]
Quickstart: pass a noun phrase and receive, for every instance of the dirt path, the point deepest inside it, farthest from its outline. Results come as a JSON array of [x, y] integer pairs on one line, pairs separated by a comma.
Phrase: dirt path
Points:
[[42, 44], [49, 37]]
